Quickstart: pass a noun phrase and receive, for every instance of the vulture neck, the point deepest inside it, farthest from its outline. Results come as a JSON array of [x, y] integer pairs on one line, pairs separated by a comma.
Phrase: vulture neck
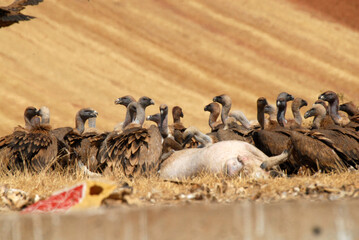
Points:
[[28, 123], [140, 114], [80, 123], [281, 115], [92, 122], [177, 119], [318, 120], [296, 114], [260, 115], [213, 119], [128, 118], [203, 139], [226, 107], [334, 110], [163, 126]]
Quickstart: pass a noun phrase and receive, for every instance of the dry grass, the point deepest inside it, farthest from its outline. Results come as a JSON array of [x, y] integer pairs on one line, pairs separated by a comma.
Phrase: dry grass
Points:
[[203, 189]]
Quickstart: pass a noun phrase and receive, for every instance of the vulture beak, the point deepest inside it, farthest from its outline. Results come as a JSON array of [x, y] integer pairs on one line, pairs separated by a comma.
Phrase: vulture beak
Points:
[[322, 97], [215, 99], [118, 101], [152, 102], [309, 113], [304, 103], [290, 97], [181, 115]]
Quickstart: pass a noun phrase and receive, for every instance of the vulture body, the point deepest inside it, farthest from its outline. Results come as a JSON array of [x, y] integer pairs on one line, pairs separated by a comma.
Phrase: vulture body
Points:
[[136, 150]]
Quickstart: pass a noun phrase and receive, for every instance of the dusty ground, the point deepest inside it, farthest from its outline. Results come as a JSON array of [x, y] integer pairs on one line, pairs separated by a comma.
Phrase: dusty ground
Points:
[[87, 53], [203, 189]]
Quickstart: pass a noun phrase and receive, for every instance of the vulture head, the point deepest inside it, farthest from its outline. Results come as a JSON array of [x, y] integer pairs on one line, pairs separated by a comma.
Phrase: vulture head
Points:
[[87, 113], [177, 112], [281, 103], [212, 108], [31, 112], [163, 110], [262, 102], [285, 96], [154, 118], [298, 103], [223, 99], [328, 96], [145, 101], [125, 100], [316, 110]]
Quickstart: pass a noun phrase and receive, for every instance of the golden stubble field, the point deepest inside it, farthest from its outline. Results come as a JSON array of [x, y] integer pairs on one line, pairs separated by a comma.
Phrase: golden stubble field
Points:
[[87, 53]]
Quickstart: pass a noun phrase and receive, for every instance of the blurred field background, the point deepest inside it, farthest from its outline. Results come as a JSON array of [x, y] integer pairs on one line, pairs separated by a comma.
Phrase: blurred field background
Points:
[[86, 53]]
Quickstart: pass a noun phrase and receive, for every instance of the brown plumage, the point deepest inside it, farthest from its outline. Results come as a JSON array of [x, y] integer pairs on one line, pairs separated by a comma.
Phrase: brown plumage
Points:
[[74, 137], [6, 151], [316, 152], [274, 140], [136, 150], [343, 138], [11, 14], [34, 149]]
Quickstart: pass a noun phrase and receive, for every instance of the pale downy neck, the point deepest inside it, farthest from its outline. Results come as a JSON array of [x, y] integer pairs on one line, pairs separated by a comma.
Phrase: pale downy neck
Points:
[[281, 114], [203, 139], [176, 118], [92, 122], [226, 107], [318, 118], [80, 123], [140, 114], [297, 117], [260, 115], [130, 114], [239, 116], [45, 115], [163, 127], [28, 123], [334, 110], [212, 121]]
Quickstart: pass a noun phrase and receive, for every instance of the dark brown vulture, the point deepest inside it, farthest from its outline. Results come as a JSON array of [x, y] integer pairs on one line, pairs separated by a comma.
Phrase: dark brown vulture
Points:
[[137, 150], [6, 142], [344, 139], [74, 137], [11, 14]]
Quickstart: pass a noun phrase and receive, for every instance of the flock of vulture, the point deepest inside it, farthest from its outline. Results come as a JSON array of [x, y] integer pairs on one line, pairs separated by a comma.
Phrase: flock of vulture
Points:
[[235, 146]]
